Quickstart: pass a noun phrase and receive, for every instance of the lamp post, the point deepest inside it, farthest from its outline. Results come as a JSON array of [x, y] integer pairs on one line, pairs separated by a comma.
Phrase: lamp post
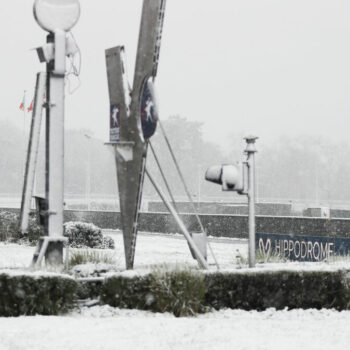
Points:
[[57, 18]]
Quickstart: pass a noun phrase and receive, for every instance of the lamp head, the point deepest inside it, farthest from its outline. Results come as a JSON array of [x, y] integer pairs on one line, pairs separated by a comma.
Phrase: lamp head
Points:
[[56, 15]]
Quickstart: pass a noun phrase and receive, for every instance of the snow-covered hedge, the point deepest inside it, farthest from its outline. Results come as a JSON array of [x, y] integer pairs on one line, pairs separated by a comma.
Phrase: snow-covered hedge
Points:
[[85, 235], [181, 292], [244, 290], [279, 289], [31, 294]]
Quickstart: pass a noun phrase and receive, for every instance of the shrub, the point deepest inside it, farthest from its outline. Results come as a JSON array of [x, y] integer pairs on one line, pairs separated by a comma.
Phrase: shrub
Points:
[[186, 292], [9, 229], [127, 292], [181, 291], [279, 289], [8, 225], [31, 294], [85, 235]]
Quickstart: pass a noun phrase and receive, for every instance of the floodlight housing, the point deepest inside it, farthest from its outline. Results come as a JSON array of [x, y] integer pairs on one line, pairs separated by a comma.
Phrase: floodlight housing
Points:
[[230, 176], [56, 15]]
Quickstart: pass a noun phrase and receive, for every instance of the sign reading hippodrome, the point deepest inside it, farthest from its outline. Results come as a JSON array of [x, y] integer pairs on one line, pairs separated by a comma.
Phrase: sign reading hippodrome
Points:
[[301, 248]]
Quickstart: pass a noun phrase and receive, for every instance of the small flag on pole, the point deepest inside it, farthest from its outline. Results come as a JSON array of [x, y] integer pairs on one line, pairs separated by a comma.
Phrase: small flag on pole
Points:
[[30, 108], [22, 105]]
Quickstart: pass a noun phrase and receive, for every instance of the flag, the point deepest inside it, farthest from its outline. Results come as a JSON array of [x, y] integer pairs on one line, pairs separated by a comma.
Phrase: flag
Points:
[[30, 108], [22, 105]]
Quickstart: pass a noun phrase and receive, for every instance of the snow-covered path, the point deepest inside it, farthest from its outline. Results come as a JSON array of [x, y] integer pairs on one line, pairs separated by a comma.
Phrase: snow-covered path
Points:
[[102, 328]]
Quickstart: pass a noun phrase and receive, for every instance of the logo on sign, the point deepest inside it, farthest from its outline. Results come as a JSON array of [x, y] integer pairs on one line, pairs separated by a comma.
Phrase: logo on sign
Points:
[[114, 122], [148, 112]]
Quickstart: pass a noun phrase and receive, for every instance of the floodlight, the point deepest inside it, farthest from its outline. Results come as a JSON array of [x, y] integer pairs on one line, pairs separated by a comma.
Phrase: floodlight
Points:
[[56, 15], [230, 176]]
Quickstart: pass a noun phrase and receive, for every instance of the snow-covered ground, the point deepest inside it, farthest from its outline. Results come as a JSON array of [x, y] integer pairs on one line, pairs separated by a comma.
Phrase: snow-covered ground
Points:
[[157, 249], [151, 249], [104, 327]]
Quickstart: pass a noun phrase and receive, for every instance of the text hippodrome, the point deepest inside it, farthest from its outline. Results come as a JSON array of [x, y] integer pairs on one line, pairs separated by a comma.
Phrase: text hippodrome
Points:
[[297, 249]]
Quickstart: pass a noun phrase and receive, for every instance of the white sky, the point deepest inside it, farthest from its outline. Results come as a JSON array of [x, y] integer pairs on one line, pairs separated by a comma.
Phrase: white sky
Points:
[[268, 67]]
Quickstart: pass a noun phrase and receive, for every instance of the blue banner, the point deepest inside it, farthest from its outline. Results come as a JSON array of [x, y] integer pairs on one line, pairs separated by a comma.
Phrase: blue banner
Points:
[[149, 117], [114, 123], [301, 248]]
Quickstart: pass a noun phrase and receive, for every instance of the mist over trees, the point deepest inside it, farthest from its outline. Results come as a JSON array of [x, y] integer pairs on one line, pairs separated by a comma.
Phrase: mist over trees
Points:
[[288, 168]]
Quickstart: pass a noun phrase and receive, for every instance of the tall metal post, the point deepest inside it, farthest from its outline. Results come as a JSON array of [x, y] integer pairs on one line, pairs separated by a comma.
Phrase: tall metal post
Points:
[[56, 17], [55, 147], [251, 150]]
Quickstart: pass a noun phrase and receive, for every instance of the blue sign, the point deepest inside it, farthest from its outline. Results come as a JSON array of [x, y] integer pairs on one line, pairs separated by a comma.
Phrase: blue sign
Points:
[[149, 116], [301, 248], [114, 123]]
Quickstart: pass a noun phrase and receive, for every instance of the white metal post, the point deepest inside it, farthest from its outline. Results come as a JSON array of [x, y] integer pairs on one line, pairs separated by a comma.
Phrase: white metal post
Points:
[[251, 150], [55, 146], [56, 17]]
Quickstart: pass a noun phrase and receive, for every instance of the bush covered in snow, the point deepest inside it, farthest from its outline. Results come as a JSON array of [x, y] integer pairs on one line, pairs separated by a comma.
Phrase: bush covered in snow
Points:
[[127, 292], [33, 294], [9, 229], [279, 289], [188, 292], [181, 292], [85, 235]]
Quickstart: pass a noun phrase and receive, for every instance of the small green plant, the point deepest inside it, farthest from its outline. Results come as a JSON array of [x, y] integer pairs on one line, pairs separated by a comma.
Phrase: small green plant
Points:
[[180, 291], [80, 257]]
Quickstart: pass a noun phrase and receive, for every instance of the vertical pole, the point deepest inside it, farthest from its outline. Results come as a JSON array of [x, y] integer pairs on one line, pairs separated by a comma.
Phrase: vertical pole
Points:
[[250, 150], [199, 186], [55, 147], [32, 153], [88, 173], [24, 134]]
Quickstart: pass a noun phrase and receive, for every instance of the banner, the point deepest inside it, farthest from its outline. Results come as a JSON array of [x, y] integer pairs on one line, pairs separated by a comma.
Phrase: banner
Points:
[[301, 248]]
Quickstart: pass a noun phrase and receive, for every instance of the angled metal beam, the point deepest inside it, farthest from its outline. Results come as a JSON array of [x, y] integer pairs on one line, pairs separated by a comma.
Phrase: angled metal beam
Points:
[[129, 149], [126, 127]]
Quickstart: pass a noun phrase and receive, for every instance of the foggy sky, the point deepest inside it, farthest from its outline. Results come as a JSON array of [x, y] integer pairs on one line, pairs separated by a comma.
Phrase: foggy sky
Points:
[[268, 67]]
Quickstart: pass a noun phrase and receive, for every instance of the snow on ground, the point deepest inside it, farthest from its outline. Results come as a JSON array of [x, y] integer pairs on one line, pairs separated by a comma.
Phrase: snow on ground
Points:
[[150, 249], [158, 249], [15, 256], [105, 328]]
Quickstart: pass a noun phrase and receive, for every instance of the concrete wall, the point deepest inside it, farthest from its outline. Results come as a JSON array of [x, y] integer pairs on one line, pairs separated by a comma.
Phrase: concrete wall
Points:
[[276, 209], [219, 225]]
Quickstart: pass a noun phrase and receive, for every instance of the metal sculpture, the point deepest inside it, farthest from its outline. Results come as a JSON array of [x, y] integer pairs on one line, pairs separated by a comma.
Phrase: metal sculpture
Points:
[[133, 120]]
